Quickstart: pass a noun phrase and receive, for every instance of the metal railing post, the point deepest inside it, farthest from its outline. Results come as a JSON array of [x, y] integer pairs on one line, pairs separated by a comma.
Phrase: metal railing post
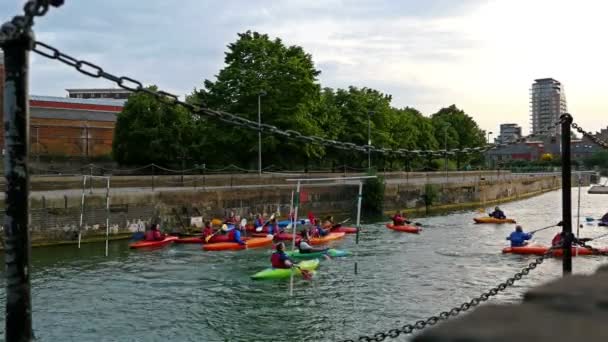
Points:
[[566, 121], [16, 141]]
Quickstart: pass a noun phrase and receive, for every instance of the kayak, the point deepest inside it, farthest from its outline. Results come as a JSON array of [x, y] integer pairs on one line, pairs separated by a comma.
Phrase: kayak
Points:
[[152, 244], [327, 238], [492, 220], [285, 223], [200, 240], [540, 250], [251, 243], [347, 230], [602, 224], [313, 255], [404, 228], [282, 273], [286, 237]]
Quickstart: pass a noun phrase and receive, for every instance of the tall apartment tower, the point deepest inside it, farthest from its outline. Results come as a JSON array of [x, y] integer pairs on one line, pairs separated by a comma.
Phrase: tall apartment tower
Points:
[[547, 103]]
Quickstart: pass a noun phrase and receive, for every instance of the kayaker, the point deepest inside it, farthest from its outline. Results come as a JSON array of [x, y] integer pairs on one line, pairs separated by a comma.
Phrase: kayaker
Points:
[[207, 230], [319, 231], [259, 221], [518, 237], [498, 214], [557, 240], [279, 259], [154, 233], [399, 219], [328, 223], [304, 244], [234, 234], [273, 227]]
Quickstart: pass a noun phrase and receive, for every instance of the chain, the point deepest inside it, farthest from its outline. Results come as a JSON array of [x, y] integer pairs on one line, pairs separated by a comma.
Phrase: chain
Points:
[[591, 137], [421, 324], [22, 23]]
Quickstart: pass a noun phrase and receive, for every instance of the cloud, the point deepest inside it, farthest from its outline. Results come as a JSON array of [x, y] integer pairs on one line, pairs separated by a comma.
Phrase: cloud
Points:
[[480, 55]]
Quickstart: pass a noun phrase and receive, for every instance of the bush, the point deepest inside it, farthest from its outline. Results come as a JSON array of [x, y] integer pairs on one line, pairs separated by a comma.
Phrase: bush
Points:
[[373, 195]]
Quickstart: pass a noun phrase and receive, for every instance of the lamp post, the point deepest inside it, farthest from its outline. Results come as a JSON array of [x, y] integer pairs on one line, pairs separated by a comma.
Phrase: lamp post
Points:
[[489, 159], [445, 148], [260, 94], [369, 140]]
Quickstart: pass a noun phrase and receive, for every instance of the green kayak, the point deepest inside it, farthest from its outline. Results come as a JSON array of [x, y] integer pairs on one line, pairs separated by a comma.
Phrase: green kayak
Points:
[[282, 273], [331, 252]]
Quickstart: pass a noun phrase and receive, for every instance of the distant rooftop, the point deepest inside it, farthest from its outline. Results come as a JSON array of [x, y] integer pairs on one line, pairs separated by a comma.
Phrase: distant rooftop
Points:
[[102, 102], [97, 90]]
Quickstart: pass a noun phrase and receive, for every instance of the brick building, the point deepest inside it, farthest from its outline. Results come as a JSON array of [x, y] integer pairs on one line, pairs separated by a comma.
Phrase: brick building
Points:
[[71, 127]]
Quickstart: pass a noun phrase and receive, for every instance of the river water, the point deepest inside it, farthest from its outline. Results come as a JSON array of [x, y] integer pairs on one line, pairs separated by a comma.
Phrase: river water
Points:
[[181, 293]]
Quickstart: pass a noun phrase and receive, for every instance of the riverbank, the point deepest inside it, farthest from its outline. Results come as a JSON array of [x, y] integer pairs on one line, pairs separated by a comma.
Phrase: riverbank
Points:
[[55, 219]]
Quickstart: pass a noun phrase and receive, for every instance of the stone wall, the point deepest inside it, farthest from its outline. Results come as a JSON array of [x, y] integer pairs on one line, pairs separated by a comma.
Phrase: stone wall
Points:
[[57, 218]]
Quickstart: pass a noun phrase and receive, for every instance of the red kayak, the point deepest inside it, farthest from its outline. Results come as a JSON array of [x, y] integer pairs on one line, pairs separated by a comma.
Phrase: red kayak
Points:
[[347, 230], [200, 240], [404, 228], [286, 237], [540, 250], [153, 244]]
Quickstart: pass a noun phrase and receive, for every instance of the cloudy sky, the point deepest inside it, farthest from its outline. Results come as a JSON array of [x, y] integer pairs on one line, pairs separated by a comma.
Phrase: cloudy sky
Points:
[[481, 55]]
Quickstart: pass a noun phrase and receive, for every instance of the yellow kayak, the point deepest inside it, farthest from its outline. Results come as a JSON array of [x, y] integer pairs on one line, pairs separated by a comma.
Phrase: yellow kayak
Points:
[[492, 220]]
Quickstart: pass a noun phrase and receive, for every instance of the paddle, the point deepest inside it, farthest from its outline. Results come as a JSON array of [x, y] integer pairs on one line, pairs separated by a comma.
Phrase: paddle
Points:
[[306, 275], [259, 229], [337, 225], [538, 230], [595, 238], [214, 233]]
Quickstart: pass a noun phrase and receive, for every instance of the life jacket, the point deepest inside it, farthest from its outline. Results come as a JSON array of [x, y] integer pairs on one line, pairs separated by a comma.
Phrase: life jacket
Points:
[[276, 261], [557, 240], [150, 235], [207, 232], [398, 220]]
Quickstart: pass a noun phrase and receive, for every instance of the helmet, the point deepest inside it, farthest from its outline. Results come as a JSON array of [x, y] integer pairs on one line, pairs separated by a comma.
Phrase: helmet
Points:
[[225, 227]]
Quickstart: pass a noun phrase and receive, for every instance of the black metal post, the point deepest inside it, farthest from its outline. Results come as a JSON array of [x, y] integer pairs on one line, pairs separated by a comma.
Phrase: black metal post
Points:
[[567, 237], [16, 135]]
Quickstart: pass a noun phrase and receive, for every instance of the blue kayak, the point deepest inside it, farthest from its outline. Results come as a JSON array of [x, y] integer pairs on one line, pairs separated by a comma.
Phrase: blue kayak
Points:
[[285, 223]]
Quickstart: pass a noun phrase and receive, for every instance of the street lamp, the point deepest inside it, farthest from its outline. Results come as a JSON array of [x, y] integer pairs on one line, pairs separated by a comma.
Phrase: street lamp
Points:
[[260, 94], [489, 158], [369, 140], [445, 147]]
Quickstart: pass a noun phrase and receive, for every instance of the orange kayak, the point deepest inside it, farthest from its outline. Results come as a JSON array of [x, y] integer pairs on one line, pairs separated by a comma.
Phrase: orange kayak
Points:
[[492, 220], [153, 244], [540, 250], [255, 242], [327, 238], [347, 230], [404, 228]]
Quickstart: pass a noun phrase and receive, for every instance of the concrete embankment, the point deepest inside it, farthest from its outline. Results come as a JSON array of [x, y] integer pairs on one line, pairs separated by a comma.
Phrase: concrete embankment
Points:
[[55, 215], [569, 309]]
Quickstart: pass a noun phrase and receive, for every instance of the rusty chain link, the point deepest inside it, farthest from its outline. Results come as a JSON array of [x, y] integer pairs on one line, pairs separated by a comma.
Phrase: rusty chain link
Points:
[[421, 324], [23, 23], [591, 137], [95, 71]]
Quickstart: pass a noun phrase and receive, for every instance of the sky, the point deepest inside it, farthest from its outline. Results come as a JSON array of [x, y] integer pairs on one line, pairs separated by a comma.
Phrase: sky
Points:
[[481, 55]]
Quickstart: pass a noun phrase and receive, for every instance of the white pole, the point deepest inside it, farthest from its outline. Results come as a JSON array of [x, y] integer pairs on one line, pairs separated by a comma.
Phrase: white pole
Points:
[[107, 215], [293, 227], [292, 218], [359, 197], [84, 184]]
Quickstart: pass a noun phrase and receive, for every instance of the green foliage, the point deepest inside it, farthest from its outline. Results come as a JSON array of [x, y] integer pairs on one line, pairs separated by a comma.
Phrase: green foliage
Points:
[[373, 196], [148, 131], [598, 159]]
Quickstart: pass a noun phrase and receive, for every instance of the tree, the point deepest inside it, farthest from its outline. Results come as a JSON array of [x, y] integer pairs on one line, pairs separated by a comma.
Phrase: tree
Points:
[[463, 131], [149, 131], [286, 74]]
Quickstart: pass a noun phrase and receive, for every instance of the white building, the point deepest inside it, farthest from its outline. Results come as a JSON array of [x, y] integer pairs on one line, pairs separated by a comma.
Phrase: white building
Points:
[[547, 103]]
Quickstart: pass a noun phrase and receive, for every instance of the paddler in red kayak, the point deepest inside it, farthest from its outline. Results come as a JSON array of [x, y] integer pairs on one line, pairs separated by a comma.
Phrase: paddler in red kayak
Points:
[[234, 234], [207, 230], [399, 219], [279, 259], [154, 233]]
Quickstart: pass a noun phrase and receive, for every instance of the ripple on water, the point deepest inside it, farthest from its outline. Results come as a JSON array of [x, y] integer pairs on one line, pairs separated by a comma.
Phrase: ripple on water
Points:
[[184, 294]]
